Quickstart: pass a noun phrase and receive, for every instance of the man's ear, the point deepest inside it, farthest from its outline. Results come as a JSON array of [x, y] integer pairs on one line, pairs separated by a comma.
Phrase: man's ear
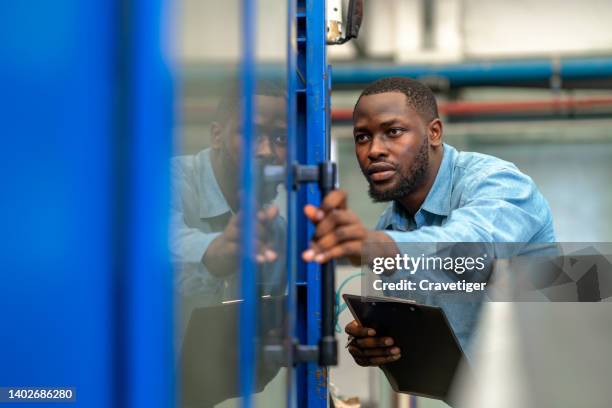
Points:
[[434, 132], [216, 141]]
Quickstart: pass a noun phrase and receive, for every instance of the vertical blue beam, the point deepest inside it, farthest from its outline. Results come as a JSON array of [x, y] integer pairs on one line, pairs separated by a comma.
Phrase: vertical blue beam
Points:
[[302, 225], [292, 210], [316, 152], [144, 266], [86, 103], [57, 79], [312, 384], [248, 311]]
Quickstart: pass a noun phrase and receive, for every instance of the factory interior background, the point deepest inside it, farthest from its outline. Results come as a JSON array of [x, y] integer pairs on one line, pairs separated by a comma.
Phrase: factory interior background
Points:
[[111, 202], [556, 130]]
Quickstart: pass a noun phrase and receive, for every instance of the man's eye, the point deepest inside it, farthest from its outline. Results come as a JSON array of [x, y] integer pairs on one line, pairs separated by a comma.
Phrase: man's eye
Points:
[[280, 140], [396, 131], [361, 138]]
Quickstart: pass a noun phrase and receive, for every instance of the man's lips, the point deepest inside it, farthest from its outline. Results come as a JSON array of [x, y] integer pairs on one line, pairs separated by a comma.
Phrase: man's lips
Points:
[[381, 171]]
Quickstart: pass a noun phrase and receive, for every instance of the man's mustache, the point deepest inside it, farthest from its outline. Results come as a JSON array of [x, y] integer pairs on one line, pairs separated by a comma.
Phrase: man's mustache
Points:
[[380, 166]]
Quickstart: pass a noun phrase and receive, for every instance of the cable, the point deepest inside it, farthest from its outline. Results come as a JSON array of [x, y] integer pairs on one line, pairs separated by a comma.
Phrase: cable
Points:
[[342, 307]]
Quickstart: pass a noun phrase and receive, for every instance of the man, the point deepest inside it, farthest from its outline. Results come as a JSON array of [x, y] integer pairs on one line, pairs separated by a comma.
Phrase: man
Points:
[[436, 194], [206, 209], [205, 244]]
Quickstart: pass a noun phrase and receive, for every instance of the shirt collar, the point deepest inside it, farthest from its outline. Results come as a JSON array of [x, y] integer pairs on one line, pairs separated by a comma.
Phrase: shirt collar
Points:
[[212, 200], [439, 197]]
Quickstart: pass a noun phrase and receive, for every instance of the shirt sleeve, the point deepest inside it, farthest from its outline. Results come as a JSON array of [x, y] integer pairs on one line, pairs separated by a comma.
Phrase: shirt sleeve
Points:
[[503, 205], [187, 245]]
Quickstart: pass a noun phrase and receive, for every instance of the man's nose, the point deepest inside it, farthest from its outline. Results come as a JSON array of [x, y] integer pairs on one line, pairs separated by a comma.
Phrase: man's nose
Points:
[[264, 147], [378, 148]]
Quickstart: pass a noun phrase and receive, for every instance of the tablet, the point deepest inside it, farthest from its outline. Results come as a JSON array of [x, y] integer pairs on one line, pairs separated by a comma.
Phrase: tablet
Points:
[[430, 351]]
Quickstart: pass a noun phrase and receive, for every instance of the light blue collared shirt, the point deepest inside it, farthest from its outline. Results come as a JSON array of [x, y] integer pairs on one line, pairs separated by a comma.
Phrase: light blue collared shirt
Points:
[[199, 214], [474, 198]]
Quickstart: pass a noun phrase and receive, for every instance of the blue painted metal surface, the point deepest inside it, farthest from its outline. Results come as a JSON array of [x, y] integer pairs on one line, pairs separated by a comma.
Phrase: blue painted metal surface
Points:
[[148, 316], [312, 136], [292, 210], [56, 78], [248, 311], [481, 73], [66, 280]]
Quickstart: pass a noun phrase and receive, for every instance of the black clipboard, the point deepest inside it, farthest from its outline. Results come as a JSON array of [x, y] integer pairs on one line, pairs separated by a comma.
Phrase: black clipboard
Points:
[[431, 354]]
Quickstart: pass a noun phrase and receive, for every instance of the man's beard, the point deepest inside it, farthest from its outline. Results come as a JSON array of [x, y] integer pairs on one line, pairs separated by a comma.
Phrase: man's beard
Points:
[[407, 182]]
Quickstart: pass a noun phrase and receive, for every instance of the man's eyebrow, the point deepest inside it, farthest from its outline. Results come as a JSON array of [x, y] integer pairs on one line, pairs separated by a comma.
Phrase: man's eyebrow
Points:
[[388, 123], [360, 129]]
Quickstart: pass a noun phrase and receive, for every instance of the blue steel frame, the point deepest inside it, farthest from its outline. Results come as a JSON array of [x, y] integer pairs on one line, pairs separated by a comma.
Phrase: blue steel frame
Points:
[[292, 210], [147, 318], [57, 119], [312, 145], [87, 108], [248, 309]]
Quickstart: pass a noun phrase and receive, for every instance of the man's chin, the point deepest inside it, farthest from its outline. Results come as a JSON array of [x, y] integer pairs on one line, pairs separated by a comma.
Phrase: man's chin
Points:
[[380, 194]]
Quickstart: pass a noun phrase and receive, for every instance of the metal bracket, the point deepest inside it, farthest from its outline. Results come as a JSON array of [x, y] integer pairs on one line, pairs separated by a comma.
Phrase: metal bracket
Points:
[[325, 175], [304, 353], [354, 17]]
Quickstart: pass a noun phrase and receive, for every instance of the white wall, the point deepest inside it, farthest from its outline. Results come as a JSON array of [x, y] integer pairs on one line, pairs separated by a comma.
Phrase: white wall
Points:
[[462, 29], [536, 27], [465, 29], [210, 30]]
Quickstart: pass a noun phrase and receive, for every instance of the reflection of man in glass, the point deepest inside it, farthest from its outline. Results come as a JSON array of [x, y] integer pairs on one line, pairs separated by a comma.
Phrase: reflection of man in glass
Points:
[[206, 209], [205, 246]]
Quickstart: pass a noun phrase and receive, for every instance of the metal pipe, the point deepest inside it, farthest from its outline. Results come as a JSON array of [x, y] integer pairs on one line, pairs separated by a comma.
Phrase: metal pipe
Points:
[[463, 108], [496, 73]]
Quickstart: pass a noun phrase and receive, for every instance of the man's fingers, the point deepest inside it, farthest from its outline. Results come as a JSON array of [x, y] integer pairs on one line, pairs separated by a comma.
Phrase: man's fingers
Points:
[[352, 232], [313, 213], [265, 232], [374, 352], [328, 223], [373, 342], [265, 253], [332, 221], [334, 200], [267, 214], [376, 361], [356, 330], [265, 257], [345, 249]]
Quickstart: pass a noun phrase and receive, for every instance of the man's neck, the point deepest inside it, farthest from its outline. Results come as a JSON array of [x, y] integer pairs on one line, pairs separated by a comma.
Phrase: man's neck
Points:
[[413, 202], [226, 180]]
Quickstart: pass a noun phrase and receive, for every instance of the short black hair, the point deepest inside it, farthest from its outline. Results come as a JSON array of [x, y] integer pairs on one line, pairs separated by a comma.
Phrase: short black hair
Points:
[[229, 105], [419, 96]]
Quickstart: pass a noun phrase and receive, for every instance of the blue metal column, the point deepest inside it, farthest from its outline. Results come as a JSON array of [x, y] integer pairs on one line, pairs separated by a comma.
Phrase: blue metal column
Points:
[[86, 286], [57, 76], [312, 149], [293, 213], [248, 308], [143, 150]]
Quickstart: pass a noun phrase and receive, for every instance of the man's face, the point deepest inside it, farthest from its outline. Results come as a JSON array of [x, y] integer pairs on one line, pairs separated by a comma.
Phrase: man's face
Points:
[[391, 144], [270, 126]]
